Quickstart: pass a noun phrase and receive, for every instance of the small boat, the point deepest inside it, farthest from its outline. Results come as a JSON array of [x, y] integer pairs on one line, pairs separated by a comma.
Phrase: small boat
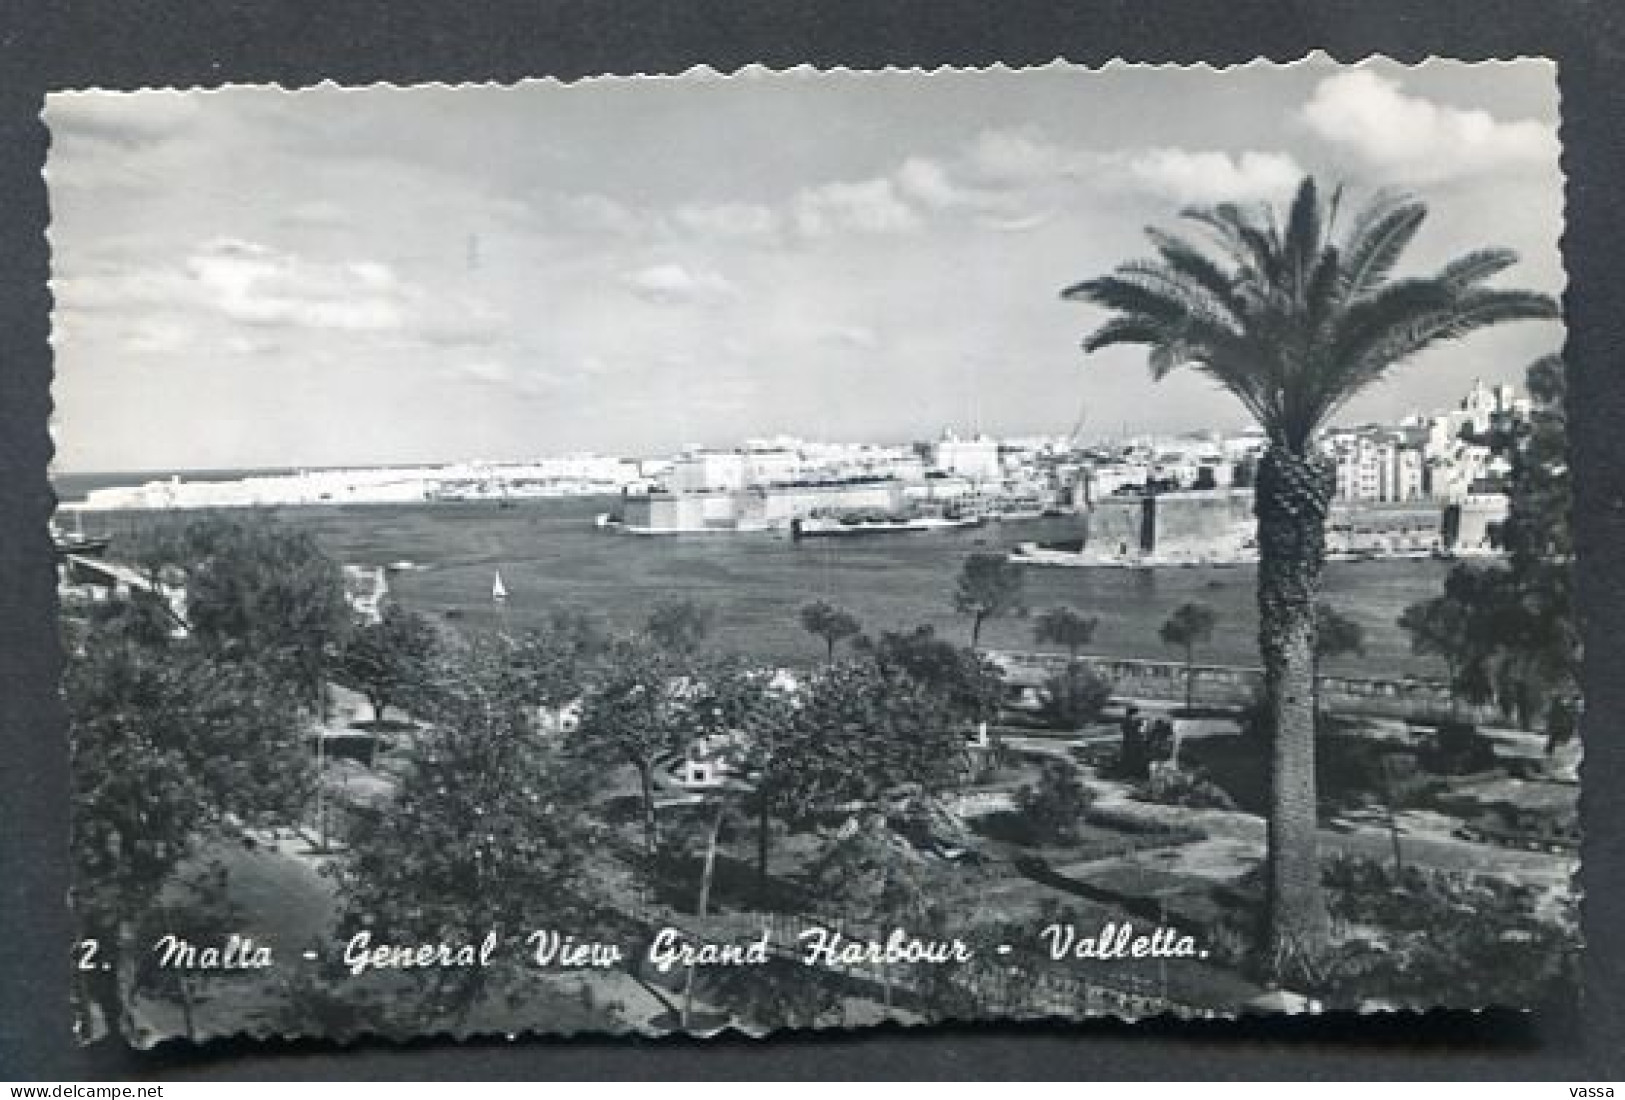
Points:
[[849, 526], [499, 591]]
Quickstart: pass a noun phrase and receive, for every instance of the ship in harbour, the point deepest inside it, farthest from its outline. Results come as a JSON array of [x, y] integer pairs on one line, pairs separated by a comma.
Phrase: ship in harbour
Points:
[[859, 524]]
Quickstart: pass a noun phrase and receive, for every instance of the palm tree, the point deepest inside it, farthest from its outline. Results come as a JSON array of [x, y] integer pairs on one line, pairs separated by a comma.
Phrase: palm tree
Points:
[[1294, 319]]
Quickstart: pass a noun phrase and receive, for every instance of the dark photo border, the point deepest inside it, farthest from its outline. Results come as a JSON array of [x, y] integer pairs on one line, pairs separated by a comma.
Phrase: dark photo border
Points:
[[127, 44]]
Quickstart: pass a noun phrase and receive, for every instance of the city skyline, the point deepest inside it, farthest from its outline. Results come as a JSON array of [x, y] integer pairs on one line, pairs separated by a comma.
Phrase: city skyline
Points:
[[251, 278]]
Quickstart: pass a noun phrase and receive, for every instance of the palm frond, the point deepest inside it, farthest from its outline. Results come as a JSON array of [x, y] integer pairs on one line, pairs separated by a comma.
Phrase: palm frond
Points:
[[1191, 262], [1295, 319], [1215, 308], [1476, 266], [1301, 247], [1243, 237], [1125, 328], [1376, 244], [1321, 294], [1143, 289], [1393, 306], [1465, 314]]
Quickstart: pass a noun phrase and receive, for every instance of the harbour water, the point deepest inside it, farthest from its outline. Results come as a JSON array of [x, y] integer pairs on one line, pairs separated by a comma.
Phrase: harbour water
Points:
[[551, 556]]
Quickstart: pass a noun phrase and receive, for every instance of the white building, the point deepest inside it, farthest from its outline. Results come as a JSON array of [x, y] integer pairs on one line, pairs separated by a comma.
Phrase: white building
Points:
[[1376, 465], [700, 471], [976, 458]]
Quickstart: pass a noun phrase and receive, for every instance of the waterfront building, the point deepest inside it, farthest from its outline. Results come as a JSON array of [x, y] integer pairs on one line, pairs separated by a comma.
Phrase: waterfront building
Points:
[[757, 508], [1376, 465], [976, 458], [707, 471]]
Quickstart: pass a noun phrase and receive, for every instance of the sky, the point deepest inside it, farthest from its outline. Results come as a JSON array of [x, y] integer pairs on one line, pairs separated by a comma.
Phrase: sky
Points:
[[251, 277]]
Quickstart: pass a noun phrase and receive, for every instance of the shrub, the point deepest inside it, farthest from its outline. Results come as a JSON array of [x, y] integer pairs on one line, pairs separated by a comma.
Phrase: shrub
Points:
[[1074, 697], [1055, 804], [1446, 937], [1178, 787], [1457, 748]]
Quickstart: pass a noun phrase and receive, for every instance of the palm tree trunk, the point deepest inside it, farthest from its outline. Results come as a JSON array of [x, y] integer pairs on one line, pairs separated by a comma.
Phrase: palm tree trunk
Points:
[[1293, 498]]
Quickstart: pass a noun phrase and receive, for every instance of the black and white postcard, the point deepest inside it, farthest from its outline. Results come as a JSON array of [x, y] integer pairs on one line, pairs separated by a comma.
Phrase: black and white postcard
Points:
[[806, 549]]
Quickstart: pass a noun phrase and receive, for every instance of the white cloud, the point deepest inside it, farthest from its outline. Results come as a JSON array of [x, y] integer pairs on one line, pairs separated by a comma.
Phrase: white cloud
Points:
[[732, 220], [852, 337], [1018, 156], [1421, 141], [157, 336], [928, 182], [674, 284], [252, 284], [1026, 162], [239, 344], [601, 214], [232, 291], [869, 206], [1206, 177], [125, 118], [489, 372], [317, 214]]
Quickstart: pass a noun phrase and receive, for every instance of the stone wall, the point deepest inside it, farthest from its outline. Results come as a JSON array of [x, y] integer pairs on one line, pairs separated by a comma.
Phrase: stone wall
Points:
[[1234, 685], [1210, 520]]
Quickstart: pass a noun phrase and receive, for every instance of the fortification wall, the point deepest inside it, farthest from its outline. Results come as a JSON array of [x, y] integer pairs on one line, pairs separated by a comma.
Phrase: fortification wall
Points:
[[1209, 520], [1114, 525], [1202, 519]]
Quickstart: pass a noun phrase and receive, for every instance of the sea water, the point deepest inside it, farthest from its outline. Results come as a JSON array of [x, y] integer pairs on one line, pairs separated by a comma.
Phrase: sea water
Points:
[[552, 557]]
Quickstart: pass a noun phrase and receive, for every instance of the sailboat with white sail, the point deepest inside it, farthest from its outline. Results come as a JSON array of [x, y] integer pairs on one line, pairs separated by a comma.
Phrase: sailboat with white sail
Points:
[[499, 591]]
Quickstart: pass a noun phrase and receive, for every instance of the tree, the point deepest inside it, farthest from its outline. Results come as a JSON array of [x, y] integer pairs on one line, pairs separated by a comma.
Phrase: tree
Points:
[[1442, 627], [1066, 628], [383, 658], [486, 833], [552, 667], [171, 746], [871, 877], [1525, 626], [680, 626], [751, 715], [1190, 625], [632, 715], [830, 623], [965, 683], [1508, 632], [990, 586], [259, 591], [865, 729], [1336, 635], [1294, 316]]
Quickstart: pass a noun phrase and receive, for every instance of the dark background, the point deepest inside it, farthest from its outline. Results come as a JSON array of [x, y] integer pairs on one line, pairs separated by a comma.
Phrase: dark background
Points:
[[128, 44]]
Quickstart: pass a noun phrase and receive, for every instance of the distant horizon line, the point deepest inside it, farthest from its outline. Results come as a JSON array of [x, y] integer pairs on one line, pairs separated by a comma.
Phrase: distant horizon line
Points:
[[437, 463]]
